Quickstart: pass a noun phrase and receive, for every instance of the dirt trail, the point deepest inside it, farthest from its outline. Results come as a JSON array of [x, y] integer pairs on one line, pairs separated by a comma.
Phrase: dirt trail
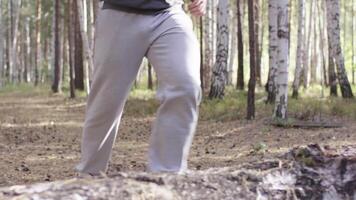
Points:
[[40, 135]]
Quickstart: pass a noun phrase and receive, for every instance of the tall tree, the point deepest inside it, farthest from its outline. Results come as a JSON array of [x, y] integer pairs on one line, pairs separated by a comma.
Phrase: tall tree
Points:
[[300, 48], [219, 76], [78, 54], [252, 81], [208, 40], [333, 25], [306, 64], [81, 11], [38, 41], [280, 110], [272, 49], [240, 47], [56, 86], [2, 38], [71, 46]]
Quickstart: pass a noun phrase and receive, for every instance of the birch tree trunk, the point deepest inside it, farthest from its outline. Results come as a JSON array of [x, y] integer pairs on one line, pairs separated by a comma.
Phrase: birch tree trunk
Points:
[[240, 46], [208, 52], [306, 64], [300, 48], [13, 52], [333, 25], [252, 81], [38, 41], [273, 52], [86, 45], [232, 49], [280, 110], [222, 47]]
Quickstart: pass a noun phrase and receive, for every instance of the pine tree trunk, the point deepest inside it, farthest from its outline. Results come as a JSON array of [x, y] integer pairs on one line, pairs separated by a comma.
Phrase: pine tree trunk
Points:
[[56, 86], [273, 53], [71, 47], [257, 35], [222, 47], [280, 110], [150, 78], [333, 25], [78, 62], [252, 81], [38, 41], [240, 46]]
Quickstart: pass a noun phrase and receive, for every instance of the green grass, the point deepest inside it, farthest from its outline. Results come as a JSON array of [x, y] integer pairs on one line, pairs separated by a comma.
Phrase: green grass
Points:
[[142, 102]]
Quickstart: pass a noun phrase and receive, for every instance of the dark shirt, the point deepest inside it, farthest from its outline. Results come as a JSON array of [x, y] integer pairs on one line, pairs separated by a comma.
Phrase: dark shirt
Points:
[[143, 6]]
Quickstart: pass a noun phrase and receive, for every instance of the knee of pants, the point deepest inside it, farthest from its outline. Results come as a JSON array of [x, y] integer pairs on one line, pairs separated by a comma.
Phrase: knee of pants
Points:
[[191, 92]]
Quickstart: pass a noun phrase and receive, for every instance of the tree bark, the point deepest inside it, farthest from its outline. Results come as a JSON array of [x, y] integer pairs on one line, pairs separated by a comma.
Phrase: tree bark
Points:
[[56, 86], [208, 40], [300, 48], [306, 64], [85, 42], [78, 41], [2, 39], [71, 48], [333, 25], [273, 53], [280, 110], [38, 41], [218, 81], [252, 81], [240, 46]]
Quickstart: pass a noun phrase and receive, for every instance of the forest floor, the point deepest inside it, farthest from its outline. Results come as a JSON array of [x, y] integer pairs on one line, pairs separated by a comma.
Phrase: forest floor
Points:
[[40, 134]]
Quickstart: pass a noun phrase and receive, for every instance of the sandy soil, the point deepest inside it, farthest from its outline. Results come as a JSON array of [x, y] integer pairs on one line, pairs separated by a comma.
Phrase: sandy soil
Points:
[[40, 137]]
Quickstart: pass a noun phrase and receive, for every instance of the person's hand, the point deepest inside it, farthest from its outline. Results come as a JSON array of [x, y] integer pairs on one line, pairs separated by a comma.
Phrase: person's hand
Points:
[[197, 7]]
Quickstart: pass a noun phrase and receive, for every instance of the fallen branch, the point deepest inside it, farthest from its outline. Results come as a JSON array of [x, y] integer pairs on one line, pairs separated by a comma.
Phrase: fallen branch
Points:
[[311, 172]]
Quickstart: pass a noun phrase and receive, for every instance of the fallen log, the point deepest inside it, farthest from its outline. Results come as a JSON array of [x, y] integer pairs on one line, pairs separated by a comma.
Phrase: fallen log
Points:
[[311, 172]]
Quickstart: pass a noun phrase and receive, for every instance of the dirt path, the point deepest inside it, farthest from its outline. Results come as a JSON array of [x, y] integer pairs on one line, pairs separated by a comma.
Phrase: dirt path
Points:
[[40, 135]]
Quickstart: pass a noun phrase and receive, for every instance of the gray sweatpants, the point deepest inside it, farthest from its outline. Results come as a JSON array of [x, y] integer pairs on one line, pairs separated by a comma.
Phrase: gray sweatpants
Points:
[[122, 40]]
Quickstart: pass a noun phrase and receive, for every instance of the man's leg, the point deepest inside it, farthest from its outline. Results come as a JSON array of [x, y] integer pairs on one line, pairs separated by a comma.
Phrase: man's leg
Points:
[[175, 56], [119, 50]]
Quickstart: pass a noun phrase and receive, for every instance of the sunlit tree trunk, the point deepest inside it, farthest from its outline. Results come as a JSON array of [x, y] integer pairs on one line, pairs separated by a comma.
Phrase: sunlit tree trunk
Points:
[[300, 48], [208, 40], [56, 86], [273, 53], [88, 53], [240, 46], [333, 25], [222, 47], [306, 63], [252, 81], [280, 110]]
